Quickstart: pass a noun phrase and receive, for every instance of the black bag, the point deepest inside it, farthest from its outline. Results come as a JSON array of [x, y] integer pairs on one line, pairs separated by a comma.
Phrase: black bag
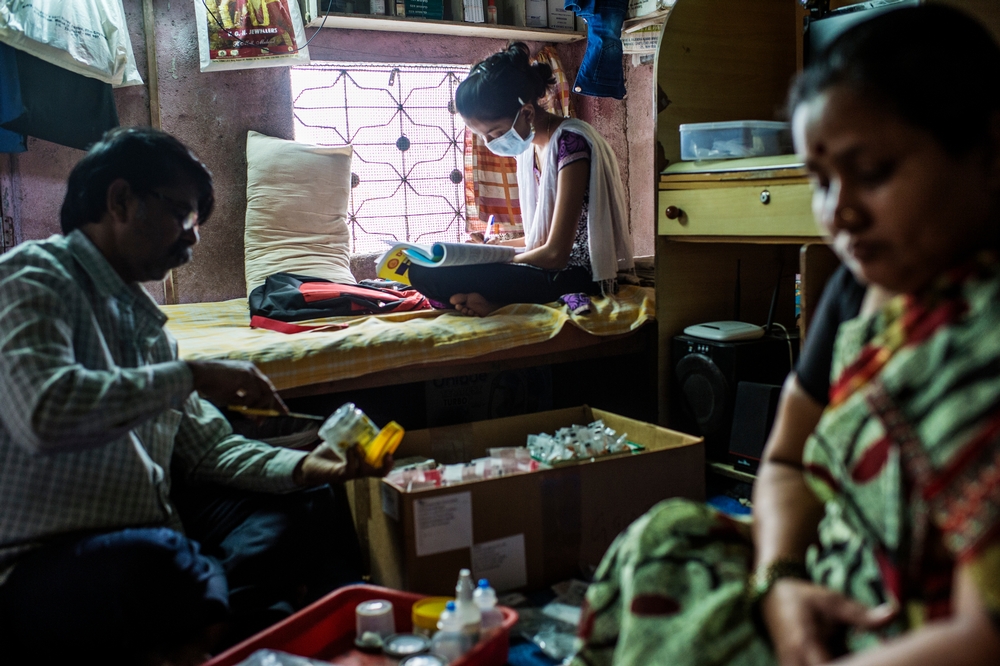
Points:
[[286, 297]]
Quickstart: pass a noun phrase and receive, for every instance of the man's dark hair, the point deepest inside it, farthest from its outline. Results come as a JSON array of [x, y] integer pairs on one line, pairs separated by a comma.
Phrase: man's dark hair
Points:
[[144, 157], [934, 66]]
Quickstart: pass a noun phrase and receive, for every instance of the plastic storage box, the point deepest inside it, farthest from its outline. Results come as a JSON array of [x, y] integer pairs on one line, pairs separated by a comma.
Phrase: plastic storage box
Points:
[[325, 630], [738, 138]]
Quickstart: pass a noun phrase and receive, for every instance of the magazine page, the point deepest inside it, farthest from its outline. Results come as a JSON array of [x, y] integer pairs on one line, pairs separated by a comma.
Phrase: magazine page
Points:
[[463, 254]]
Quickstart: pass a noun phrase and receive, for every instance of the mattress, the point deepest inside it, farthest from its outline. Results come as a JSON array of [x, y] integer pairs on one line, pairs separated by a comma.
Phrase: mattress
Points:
[[376, 343]]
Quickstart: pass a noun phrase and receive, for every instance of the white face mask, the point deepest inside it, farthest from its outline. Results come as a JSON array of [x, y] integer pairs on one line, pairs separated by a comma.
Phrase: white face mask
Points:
[[511, 144]]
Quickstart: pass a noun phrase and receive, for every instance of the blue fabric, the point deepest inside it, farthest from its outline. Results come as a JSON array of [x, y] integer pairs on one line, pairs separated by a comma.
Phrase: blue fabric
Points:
[[526, 653], [11, 105], [601, 73], [279, 552], [111, 596], [728, 505]]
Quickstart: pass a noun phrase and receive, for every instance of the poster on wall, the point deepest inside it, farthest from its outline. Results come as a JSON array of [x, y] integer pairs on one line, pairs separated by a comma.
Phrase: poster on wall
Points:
[[242, 34]]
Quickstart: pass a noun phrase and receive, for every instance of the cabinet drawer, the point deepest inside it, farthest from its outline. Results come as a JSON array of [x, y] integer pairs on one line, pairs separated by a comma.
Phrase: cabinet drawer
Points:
[[760, 210]]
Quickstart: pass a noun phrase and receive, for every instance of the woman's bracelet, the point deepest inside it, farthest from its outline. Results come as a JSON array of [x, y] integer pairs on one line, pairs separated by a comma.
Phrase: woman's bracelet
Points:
[[763, 579]]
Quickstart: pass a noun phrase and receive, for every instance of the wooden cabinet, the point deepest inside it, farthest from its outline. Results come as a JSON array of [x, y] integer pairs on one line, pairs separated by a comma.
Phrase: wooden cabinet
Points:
[[722, 60], [737, 199]]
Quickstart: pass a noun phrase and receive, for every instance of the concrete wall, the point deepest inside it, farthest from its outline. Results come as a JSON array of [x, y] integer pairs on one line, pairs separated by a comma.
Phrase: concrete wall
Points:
[[211, 112]]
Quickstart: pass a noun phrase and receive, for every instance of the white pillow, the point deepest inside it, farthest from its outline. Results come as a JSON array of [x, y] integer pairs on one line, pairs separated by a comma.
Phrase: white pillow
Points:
[[297, 199]]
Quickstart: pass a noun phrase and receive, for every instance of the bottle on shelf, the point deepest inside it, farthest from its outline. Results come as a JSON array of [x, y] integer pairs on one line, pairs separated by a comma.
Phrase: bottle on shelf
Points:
[[491, 13], [486, 599], [465, 606], [450, 641]]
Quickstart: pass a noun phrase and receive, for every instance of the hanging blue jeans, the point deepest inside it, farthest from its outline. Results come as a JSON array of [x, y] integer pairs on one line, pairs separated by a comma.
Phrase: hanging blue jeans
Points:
[[601, 72]]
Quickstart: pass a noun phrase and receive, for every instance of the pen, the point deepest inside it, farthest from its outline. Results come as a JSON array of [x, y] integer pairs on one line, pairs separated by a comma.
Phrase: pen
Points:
[[251, 411]]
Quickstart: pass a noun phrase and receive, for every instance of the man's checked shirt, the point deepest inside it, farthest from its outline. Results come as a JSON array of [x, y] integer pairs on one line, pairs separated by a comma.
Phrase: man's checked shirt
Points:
[[95, 406]]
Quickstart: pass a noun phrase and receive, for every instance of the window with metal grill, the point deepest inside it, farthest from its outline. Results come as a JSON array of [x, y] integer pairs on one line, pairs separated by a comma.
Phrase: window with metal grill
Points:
[[408, 166]]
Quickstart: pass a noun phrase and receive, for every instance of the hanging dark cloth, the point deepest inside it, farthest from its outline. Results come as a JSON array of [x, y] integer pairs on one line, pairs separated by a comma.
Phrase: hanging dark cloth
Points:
[[10, 101], [61, 106]]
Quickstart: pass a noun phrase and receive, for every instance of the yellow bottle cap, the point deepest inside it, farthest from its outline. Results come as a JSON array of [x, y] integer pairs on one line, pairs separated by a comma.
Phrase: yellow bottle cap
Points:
[[387, 441], [427, 612]]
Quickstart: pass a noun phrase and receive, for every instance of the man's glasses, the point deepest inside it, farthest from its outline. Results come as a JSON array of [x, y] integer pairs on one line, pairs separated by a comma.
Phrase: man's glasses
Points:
[[186, 216]]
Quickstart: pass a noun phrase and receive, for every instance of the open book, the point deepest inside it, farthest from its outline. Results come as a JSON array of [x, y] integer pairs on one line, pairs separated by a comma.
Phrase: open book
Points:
[[395, 263]]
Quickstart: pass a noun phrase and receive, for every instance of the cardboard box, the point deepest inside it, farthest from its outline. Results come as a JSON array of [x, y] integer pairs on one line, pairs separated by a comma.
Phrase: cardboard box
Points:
[[521, 13], [536, 14], [559, 17], [523, 530]]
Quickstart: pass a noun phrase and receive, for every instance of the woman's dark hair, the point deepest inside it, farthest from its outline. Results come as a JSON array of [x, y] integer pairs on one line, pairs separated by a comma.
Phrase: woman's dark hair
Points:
[[144, 157], [500, 85], [934, 66]]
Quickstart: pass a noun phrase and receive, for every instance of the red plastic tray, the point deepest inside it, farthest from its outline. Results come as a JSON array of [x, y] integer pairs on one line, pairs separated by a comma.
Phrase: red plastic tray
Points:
[[325, 630]]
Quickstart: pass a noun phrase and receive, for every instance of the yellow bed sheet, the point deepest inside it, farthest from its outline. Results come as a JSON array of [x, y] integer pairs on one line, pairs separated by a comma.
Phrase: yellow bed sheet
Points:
[[382, 342]]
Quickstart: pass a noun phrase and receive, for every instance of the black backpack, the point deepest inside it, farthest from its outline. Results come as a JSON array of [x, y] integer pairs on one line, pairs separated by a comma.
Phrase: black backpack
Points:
[[286, 297]]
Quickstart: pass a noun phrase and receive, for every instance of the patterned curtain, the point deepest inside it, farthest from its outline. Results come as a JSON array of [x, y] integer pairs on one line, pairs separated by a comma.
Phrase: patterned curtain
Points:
[[491, 180]]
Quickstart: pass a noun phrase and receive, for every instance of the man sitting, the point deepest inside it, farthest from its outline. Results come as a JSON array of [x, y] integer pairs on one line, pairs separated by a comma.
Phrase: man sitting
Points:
[[98, 419]]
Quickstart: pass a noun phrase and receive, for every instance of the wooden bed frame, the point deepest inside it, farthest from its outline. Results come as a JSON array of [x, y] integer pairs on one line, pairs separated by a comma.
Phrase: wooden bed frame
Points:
[[570, 344]]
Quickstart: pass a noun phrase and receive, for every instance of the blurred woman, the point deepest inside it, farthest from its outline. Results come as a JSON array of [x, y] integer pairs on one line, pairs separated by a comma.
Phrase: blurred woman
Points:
[[876, 538]]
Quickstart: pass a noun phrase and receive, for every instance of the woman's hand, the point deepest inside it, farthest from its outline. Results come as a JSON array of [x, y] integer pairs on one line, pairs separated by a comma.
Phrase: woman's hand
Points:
[[805, 621]]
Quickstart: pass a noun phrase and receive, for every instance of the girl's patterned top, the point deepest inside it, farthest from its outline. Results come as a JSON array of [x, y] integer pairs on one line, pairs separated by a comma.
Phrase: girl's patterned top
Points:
[[572, 148]]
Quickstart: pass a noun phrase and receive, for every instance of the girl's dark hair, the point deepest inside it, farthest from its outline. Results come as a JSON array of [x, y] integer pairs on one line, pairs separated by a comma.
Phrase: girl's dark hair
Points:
[[498, 86], [934, 66], [144, 157]]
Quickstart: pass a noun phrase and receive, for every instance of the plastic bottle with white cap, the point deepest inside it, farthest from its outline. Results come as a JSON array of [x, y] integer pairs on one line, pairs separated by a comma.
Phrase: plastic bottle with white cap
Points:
[[450, 641], [466, 609], [486, 599]]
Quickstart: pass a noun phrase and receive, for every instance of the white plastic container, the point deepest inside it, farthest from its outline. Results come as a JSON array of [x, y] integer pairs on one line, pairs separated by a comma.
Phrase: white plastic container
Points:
[[486, 599], [738, 138], [451, 641], [466, 609]]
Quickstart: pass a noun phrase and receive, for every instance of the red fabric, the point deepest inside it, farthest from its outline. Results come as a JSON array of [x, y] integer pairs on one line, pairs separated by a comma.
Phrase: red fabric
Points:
[[321, 291], [256, 321]]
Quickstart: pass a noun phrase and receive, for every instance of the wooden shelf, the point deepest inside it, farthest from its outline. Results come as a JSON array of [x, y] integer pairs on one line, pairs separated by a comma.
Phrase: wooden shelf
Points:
[[727, 470], [450, 28]]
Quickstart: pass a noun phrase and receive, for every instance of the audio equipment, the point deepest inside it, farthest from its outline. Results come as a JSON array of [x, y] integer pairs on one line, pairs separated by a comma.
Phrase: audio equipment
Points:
[[753, 415], [706, 376]]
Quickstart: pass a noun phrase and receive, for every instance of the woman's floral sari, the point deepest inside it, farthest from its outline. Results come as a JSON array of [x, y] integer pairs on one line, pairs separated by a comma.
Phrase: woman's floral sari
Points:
[[906, 459]]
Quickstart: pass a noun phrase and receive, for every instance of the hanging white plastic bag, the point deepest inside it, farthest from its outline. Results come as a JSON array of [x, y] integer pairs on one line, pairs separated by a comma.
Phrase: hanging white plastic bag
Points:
[[89, 38], [240, 34]]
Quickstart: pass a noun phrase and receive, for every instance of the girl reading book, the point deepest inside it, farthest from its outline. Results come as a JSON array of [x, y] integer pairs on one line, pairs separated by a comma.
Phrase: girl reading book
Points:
[[577, 233]]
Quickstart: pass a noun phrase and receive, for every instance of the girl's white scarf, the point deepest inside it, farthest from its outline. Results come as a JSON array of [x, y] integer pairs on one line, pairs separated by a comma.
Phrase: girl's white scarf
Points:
[[608, 227]]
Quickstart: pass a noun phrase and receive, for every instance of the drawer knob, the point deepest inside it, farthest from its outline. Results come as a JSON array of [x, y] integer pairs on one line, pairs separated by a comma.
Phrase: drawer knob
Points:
[[673, 212], [765, 197]]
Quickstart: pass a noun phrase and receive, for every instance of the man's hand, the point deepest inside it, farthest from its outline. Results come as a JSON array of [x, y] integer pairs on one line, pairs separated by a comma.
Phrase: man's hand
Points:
[[225, 383], [803, 620], [323, 465]]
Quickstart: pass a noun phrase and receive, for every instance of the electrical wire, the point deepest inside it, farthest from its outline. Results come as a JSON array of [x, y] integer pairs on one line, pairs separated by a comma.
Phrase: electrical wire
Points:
[[788, 339], [240, 43]]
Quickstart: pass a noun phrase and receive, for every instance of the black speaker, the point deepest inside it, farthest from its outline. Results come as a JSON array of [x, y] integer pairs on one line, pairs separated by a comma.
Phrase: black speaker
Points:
[[706, 374], [753, 415]]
